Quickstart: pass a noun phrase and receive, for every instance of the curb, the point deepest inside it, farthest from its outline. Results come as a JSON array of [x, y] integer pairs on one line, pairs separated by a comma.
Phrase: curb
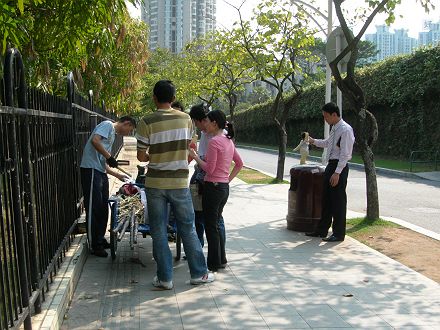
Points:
[[63, 287], [379, 170], [403, 223], [350, 213]]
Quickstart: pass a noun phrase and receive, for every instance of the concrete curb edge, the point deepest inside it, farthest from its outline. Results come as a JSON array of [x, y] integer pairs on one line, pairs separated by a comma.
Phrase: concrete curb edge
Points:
[[63, 287], [379, 170]]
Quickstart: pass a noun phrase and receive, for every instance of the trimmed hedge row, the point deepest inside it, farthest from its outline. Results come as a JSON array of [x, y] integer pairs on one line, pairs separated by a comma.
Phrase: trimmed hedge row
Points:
[[402, 92]]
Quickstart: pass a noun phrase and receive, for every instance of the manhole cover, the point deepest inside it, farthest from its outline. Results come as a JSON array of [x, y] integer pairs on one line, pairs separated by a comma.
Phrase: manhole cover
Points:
[[430, 210]]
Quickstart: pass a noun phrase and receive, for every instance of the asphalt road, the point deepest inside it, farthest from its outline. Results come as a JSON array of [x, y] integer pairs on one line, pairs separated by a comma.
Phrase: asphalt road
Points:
[[416, 201]]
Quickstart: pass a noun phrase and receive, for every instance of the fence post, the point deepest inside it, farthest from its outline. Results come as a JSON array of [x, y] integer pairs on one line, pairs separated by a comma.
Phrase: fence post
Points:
[[13, 61], [94, 117], [76, 160]]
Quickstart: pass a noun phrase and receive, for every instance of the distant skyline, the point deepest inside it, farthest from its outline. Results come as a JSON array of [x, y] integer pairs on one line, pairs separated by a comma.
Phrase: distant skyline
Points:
[[412, 20], [412, 13]]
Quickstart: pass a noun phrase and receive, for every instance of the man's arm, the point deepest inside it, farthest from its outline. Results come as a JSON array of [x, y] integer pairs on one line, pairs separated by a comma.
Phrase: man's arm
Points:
[[116, 174], [319, 143], [143, 141], [96, 143], [142, 155], [346, 150]]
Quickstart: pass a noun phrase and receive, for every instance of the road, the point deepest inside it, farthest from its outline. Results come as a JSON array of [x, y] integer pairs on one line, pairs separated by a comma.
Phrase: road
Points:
[[416, 201]]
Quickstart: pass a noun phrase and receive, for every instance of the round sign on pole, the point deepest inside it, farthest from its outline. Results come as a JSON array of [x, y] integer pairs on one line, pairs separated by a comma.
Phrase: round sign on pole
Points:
[[331, 47]]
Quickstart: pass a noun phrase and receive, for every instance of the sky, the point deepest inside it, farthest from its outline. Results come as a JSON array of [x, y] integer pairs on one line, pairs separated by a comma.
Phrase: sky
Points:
[[413, 15]]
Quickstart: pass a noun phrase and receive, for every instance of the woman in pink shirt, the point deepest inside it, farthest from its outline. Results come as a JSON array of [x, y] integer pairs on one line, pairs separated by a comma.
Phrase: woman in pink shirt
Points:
[[219, 156]]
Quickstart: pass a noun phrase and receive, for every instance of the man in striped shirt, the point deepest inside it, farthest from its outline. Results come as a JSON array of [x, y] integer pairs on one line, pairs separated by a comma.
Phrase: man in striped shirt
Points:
[[163, 138]]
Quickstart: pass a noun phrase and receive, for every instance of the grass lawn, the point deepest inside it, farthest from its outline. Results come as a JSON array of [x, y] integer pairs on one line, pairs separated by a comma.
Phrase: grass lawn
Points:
[[254, 177], [361, 227], [384, 162]]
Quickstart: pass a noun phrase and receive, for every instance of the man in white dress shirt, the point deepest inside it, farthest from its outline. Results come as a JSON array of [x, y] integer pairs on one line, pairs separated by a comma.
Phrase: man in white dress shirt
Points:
[[339, 146]]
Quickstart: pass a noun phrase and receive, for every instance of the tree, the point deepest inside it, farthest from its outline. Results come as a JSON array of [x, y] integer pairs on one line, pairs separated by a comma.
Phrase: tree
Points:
[[225, 65], [366, 124], [116, 64], [259, 94], [274, 45], [58, 36], [367, 50]]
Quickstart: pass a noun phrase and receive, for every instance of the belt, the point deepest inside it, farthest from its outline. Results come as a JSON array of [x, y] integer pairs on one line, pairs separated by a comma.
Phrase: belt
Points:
[[333, 160], [215, 184]]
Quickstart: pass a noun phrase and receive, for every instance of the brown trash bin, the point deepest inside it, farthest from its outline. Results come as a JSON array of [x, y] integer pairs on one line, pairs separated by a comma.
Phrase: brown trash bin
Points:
[[305, 194]]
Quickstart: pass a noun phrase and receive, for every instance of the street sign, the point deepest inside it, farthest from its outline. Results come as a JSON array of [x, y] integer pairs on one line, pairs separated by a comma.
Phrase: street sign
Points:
[[331, 51]]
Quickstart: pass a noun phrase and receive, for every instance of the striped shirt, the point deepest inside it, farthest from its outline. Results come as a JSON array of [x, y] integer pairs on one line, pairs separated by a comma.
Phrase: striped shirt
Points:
[[166, 134]]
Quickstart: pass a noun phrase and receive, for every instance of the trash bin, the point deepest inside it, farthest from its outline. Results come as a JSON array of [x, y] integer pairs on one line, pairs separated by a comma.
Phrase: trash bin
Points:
[[305, 193]]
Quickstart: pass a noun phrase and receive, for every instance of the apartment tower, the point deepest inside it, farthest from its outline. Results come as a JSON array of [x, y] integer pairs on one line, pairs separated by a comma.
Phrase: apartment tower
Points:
[[174, 23]]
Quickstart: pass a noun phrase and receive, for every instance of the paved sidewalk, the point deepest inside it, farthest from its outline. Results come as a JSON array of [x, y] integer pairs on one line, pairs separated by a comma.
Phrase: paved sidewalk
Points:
[[275, 279]]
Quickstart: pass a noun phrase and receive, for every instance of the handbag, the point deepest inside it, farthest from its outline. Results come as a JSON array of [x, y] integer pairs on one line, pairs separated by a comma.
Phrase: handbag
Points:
[[196, 196]]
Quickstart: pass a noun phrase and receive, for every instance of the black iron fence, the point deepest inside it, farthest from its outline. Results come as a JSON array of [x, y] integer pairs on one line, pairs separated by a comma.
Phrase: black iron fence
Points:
[[42, 140]]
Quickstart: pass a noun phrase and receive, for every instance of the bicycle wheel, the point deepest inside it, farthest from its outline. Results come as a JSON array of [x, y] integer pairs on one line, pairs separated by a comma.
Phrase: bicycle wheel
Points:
[[113, 236]]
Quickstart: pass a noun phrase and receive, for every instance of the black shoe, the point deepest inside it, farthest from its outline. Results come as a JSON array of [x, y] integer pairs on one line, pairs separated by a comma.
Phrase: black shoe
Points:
[[100, 252], [333, 238], [315, 234], [105, 245]]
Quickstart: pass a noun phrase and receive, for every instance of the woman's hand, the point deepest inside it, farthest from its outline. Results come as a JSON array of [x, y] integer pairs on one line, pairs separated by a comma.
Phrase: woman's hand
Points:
[[193, 154]]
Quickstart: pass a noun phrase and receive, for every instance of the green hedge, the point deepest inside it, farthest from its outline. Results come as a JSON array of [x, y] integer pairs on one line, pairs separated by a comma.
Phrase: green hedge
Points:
[[402, 92]]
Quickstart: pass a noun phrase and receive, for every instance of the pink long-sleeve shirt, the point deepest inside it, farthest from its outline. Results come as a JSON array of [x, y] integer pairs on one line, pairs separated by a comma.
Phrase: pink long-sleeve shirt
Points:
[[221, 152]]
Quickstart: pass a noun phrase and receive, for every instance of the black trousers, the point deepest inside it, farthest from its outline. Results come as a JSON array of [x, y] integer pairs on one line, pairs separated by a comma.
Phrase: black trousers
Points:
[[215, 196], [95, 189], [334, 202]]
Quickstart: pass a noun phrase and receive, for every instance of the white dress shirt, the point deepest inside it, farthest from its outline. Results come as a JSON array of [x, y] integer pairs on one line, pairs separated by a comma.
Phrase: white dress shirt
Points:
[[342, 151]]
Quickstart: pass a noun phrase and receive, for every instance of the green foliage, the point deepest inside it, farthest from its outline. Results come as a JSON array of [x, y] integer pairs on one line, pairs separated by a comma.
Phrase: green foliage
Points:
[[163, 64], [116, 65], [259, 94], [402, 92], [95, 39]]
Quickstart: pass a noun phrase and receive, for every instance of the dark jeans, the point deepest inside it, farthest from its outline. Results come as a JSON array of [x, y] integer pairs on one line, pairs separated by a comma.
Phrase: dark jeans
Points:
[[215, 196], [334, 202], [198, 177], [200, 227], [95, 189]]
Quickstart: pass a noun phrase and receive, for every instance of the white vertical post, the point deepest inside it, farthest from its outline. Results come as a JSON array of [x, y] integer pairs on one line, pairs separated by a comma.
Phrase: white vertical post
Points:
[[328, 76], [338, 91]]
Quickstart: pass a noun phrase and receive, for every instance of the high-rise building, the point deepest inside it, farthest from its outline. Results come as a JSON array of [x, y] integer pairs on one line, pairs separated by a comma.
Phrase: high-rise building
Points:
[[402, 43], [174, 23], [391, 43], [432, 36]]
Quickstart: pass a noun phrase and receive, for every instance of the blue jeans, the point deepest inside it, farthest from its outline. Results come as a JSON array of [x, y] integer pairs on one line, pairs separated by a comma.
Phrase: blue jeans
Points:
[[182, 207]]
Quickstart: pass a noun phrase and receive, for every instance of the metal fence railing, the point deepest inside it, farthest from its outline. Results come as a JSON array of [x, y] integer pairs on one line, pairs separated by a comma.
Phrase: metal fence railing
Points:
[[42, 139], [427, 159]]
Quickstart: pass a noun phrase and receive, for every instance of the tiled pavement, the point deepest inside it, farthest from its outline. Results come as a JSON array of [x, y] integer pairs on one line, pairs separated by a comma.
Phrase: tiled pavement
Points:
[[275, 279]]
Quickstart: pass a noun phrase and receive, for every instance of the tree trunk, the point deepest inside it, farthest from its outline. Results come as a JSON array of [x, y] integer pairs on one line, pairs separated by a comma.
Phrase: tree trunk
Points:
[[232, 98], [366, 136], [281, 152], [371, 181]]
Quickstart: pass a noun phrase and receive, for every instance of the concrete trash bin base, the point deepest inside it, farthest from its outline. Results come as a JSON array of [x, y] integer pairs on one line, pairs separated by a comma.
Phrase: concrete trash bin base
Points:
[[305, 194]]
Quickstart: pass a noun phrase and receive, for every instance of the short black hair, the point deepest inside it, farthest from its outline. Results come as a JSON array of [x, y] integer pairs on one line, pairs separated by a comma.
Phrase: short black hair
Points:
[[198, 112], [177, 105], [123, 119], [330, 108], [165, 91]]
